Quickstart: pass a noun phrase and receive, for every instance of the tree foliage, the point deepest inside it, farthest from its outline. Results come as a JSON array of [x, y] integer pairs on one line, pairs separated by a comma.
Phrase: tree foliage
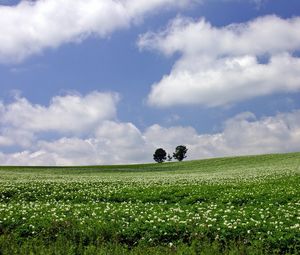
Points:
[[160, 155], [180, 152]]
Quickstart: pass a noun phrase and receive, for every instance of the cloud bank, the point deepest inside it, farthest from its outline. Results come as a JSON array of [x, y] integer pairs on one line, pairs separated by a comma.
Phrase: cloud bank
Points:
[[32, 26], [84, 130], [224, 65], [65, 114]]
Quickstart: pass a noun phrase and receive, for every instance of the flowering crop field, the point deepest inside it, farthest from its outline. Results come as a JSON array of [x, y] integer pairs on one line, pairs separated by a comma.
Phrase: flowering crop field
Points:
[[238, 205]]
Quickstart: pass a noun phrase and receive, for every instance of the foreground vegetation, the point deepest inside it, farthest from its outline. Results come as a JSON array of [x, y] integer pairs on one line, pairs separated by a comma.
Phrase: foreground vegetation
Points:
[[243, 205]]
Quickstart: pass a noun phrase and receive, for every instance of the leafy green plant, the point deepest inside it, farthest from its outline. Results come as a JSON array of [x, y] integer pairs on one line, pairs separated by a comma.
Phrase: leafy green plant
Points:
[[243, 205]]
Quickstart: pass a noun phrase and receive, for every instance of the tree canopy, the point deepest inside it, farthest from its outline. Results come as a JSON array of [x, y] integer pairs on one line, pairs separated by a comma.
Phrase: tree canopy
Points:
[[180, 152], [160, 155]]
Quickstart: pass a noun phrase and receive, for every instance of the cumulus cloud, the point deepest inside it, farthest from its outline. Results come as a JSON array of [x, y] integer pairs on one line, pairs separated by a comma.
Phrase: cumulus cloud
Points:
[[65, 114], [223, 65], [5, 141], [67, 151], [242, 135], [10, 136], [32, 26], [122, 143], [72, 129], [105, 140]]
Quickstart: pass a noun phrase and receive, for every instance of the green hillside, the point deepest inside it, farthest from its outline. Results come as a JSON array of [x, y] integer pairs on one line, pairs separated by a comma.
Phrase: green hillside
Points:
[[236, 205]]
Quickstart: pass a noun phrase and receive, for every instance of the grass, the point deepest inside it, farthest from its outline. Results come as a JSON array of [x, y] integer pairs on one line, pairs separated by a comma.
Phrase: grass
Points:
[[237, 205]]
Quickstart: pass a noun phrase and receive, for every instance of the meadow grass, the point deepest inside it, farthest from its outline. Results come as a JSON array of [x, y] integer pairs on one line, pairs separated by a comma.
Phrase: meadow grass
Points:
[[237, 205]]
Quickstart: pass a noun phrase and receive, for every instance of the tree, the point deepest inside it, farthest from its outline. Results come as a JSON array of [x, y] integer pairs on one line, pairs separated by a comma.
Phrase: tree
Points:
[[160, 155], [180, 152]]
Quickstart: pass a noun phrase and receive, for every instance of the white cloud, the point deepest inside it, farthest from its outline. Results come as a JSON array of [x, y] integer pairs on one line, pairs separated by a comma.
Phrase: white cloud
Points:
[[121, 143], [32, 26], [222, 65], [271, 34], [242, 135], [169, 138], [65, 114], [226, 81], [86, 129], [5, 141], [10, 136], [245, 134], [109, 141], [68, 151], [27, 158]]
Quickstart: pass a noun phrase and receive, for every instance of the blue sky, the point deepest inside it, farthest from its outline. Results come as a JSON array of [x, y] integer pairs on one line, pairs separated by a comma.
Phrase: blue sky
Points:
[[163, 70]]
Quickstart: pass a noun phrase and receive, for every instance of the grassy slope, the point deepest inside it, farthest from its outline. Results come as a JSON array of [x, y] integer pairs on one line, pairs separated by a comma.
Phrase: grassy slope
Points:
[[242, 163], [214, 170], [267, 182]]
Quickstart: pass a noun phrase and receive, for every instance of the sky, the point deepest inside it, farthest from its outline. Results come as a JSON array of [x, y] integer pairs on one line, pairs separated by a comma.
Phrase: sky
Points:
[[108, 81]]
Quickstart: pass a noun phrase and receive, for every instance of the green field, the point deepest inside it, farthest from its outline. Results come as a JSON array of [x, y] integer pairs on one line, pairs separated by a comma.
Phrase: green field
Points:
[[241, 205]]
